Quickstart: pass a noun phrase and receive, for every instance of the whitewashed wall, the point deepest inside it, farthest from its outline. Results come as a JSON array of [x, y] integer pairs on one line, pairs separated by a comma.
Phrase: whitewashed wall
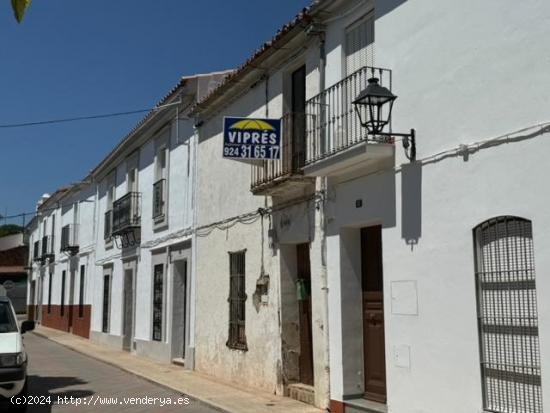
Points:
[[223, 191], [464, 72]]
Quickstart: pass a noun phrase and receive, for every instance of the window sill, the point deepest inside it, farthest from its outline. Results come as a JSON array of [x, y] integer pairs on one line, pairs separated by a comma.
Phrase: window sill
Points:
[[237, 347], [160, 223]]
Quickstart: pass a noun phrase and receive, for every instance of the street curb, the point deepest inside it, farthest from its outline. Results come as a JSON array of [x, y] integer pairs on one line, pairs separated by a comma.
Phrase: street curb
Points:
[[133, 373]]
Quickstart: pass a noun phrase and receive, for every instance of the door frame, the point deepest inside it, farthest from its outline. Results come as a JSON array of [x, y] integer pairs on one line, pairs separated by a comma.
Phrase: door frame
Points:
[[178, 352]]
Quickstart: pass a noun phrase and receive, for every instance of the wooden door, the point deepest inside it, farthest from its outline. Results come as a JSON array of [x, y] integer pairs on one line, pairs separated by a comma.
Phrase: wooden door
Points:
[[71, 300], [128, 309], [304, 296], [373, 314]]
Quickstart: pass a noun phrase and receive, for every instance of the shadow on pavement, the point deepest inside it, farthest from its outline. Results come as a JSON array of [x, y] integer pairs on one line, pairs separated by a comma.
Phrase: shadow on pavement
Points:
[[41, 387]]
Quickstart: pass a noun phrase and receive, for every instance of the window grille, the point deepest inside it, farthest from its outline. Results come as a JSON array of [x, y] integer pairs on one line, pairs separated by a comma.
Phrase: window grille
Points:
[[106, 297], [158, 295], [108, 225], [81, 292], [237, 299], [159, 198], [507, 316], [63, 276]]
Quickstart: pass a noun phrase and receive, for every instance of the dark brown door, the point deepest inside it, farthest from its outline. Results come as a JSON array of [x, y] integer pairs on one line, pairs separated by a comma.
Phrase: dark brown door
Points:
[[373, 314], [298, 118], [304, 297], [128, 313], [71, 300]]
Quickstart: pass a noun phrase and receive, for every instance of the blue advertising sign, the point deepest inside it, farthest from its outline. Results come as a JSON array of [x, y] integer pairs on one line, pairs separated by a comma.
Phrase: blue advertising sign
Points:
[[251, 138]]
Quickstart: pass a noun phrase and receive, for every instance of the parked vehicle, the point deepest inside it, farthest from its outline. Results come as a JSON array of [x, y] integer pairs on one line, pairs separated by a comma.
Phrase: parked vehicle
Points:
[[13, 358]]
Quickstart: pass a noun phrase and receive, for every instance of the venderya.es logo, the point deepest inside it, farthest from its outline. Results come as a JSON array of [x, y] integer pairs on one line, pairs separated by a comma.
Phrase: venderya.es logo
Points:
[[252, 138]]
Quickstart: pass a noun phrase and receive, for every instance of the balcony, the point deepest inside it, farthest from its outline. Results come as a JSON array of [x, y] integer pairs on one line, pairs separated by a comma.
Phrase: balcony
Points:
[[127, 214], [159, 200], [69, 239], [47, 248], [336, 143], [285, 174]]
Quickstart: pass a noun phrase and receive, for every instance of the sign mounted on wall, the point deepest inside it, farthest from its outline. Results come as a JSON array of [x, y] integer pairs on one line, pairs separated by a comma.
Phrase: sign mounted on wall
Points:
[[251, 138]]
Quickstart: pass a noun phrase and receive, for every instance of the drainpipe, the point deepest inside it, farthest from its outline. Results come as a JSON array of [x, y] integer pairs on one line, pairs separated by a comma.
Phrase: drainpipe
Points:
[[194, 246], [322, 222]]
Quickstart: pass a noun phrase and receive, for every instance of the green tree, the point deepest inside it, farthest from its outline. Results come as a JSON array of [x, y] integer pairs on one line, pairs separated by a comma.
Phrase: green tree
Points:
[[10, 229], [19, 8]]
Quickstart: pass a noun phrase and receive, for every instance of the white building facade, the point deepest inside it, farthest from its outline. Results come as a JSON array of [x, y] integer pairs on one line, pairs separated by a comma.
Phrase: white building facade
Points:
[[62, 259], [433, 266], [353, 274]]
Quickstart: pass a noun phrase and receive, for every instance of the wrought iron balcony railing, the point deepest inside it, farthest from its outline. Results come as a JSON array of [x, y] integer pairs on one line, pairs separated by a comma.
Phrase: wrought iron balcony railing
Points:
[[127, 213], [293, 154], [159, 199], [108, 225], [332, 122], [69, 238]]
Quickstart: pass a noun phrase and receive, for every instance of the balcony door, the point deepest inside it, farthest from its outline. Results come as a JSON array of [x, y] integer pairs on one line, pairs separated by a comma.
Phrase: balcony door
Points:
[[298, 107], [373, 314]]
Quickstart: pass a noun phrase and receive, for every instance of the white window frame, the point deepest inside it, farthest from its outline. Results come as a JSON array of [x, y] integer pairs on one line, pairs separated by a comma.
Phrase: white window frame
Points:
[[110, 198], [162, 147], [369, 60]]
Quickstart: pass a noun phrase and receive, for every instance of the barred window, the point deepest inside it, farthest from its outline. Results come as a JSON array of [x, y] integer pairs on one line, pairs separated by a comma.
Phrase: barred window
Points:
[[237, 299], [106, 298], [158, 296], [507, 316]]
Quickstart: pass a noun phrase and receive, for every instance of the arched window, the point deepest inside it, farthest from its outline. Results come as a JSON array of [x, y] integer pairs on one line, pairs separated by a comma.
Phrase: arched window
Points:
[[507, 314]]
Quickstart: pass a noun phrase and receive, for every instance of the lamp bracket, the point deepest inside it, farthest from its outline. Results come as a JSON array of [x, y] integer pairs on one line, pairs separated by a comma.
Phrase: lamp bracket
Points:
[[409, 142]]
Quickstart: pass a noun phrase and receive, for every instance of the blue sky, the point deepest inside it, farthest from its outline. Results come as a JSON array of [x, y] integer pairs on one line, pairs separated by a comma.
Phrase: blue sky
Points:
[[75, 58]]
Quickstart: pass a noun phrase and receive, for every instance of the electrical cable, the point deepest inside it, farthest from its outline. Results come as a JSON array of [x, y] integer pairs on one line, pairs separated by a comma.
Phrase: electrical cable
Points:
[[75, 119]]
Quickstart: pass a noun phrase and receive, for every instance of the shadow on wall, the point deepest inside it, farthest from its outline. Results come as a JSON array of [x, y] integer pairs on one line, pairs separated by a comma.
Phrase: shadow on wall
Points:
[[384, 7], [411, 203]]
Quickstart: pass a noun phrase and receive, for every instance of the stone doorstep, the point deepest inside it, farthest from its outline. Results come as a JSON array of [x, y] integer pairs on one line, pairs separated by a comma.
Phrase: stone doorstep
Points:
[[364, 406], [302, 392], [179, 362]]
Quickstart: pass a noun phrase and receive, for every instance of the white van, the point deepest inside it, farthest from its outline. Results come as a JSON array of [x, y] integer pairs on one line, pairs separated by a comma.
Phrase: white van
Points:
[[13, 358]]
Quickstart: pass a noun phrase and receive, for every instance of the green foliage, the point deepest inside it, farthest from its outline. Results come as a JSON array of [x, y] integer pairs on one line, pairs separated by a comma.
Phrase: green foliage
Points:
[[19, 8], [10, 229]]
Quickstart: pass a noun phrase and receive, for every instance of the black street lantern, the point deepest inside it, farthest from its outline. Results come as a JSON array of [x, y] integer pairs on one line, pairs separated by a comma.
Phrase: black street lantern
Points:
[[369, 105], [373, 99]]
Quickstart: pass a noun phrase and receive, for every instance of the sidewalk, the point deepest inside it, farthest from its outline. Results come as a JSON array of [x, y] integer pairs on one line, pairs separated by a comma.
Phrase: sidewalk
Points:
[[222, 396]]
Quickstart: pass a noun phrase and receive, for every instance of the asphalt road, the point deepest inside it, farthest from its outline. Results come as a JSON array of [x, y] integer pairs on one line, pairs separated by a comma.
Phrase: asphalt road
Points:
[[59, 373]]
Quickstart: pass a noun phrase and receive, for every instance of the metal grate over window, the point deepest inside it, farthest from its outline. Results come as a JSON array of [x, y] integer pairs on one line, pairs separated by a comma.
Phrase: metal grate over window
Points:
[[158, 295], [106, 298], [237, 300], [507, 314]]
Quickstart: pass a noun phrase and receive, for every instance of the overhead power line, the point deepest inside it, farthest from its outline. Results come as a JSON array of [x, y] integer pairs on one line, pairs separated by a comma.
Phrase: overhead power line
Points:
[[75, 119]]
